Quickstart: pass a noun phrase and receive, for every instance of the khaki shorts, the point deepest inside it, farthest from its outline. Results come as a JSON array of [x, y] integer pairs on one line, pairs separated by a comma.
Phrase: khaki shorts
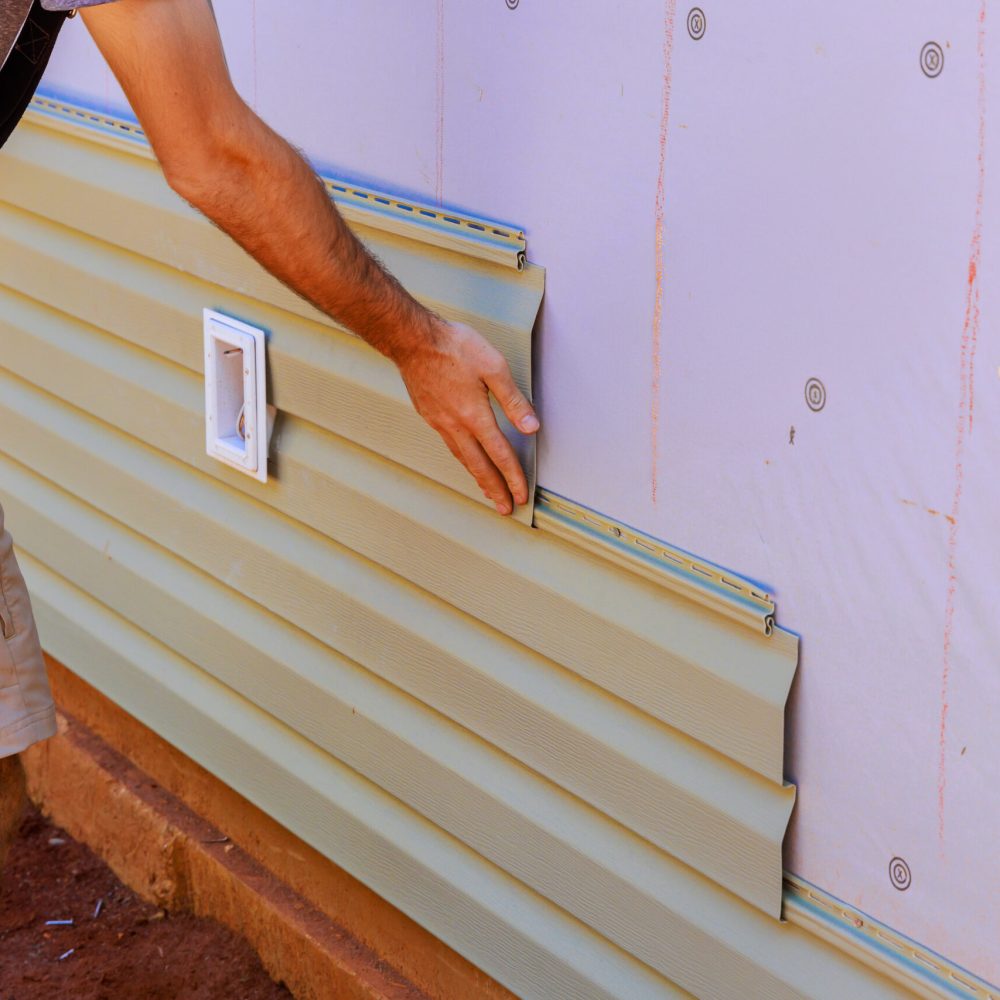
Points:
[[27, 712]]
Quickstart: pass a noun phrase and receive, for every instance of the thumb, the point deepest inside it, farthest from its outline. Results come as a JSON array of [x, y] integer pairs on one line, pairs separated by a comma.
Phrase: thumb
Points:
[[513, 402]]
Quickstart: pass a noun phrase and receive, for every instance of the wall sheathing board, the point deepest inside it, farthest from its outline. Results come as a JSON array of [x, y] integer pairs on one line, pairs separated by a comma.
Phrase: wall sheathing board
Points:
[[767, 336], [598, 808], [731, 206]]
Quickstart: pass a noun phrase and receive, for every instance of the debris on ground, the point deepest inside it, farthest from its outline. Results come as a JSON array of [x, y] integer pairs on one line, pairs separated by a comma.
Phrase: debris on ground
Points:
[[70, 928]]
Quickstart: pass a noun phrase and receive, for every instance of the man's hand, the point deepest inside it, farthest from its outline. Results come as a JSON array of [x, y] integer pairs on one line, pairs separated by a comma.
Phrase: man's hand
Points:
[[218, 155], [449, 375]]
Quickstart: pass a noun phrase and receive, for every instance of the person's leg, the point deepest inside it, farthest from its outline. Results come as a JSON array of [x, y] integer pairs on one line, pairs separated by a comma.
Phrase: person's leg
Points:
[[13, 799], [27, 711]]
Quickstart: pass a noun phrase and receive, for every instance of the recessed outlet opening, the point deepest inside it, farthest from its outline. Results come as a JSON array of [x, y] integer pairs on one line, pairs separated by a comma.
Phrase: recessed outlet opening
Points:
[[238, 420], [230, 400]]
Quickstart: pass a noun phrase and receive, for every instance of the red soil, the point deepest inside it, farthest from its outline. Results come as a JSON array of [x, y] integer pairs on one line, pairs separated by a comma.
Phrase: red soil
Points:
[[130, 950]]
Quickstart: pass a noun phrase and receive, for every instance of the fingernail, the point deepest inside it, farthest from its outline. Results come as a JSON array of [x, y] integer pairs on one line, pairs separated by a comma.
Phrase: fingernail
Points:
[[502, 508], [530, 424]]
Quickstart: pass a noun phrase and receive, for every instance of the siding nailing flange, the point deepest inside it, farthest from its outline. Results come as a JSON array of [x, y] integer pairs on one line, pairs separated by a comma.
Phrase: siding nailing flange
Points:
[[701, 581]]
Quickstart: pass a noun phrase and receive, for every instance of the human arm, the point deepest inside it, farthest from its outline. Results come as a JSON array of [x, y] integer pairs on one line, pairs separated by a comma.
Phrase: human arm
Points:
[[223, 159]]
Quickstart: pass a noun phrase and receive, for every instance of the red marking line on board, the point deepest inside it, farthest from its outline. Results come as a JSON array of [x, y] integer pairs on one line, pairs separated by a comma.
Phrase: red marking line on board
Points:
[[668, 47], [967, 356], [977, 236], [439, 181]]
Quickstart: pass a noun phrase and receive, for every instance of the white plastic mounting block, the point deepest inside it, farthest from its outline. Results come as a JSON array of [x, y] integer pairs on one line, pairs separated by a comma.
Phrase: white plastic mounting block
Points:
[[237, 425]]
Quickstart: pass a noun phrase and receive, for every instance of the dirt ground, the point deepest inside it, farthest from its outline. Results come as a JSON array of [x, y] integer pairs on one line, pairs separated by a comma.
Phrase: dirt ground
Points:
[[127, 951]]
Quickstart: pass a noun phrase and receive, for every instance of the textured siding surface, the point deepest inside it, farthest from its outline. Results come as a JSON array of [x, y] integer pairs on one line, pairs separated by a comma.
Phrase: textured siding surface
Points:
[[569, 773]]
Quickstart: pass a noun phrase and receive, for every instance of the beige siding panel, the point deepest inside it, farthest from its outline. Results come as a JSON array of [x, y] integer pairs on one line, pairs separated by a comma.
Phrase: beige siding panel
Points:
[[317, 371], [727, 824], [122, 199], [710, 678], [517, 937], [473, 236], [593, 868], [109, 201], [201, 717], [649, 778]]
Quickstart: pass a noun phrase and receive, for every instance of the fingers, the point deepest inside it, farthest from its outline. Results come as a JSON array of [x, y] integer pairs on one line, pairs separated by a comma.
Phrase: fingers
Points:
[[470, 453], [451, 391], [498, 449], [513, 402]]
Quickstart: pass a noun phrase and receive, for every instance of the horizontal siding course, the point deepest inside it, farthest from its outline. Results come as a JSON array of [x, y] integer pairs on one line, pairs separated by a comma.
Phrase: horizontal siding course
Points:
[[123, 201], [316, 368], [342, 600], [521, 940], [632, 893], [715, 681], [476, 908], [569, 773]]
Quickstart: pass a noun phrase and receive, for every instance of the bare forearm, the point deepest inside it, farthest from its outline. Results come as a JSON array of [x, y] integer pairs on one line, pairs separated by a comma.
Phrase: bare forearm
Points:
[[261, 192], [215, 152]]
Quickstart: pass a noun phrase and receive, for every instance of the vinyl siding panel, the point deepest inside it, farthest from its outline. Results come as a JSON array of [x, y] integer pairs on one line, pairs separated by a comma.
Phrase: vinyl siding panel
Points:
[[568, 771], [342, 599], [317, 369], [730, 683], [526, 944], [427, 873]]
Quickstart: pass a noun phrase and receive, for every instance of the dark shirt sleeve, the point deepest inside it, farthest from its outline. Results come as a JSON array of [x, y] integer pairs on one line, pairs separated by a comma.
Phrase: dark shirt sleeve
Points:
[[71, 4]]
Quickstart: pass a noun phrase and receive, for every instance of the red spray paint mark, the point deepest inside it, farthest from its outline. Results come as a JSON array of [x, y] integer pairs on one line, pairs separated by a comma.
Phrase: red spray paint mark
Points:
[[439, 183], [967, 355], [668, 46], [977, 236]]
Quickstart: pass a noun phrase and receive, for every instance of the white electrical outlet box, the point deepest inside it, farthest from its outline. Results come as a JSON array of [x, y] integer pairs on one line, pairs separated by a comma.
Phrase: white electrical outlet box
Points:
[[238, 420]]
